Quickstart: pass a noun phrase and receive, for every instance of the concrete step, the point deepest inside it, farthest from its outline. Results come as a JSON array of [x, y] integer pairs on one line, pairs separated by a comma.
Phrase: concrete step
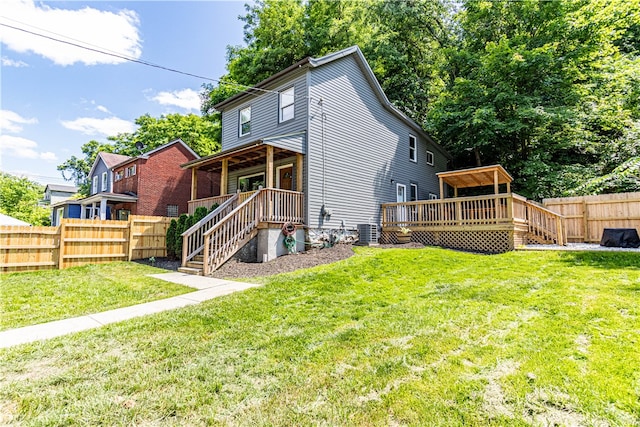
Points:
[[190, 270]]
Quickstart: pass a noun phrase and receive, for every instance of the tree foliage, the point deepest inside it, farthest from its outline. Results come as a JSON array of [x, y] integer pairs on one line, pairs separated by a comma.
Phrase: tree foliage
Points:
[[19, 198], [549, 89], [201, 134]]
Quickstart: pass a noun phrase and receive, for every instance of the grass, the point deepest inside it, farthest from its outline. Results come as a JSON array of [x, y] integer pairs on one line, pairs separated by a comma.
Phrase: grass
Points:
[[38, 297], [387, 337]]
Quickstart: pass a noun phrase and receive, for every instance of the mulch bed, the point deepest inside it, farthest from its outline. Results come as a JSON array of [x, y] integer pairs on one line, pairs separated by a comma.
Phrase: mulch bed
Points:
[[234, 269]]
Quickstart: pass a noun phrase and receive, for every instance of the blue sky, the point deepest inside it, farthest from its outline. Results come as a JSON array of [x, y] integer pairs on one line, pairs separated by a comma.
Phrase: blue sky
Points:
[[55, 97]]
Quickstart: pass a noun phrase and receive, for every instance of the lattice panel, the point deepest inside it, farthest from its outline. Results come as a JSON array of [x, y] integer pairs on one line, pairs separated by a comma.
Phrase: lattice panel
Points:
[[476, 241]]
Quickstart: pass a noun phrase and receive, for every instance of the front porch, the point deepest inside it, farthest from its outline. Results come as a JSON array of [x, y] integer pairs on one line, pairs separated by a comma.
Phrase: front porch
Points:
[[260, 191], [493, 223]]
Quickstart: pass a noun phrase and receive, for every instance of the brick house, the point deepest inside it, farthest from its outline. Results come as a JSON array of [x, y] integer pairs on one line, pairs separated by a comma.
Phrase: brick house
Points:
[[161, 186], [152, 184]]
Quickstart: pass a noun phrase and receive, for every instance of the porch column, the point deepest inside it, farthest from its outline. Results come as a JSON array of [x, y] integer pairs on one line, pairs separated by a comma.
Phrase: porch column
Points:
[[103, 209], [83, 211], [269, 171], [299, 166], [496, 186], [441, 188], [224, 176], [194, 184], [508, 187]]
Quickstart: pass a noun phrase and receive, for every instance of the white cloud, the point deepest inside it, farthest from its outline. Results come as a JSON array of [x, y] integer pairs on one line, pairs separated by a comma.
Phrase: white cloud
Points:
[[188, 99], [11, 121], [8, 62], [103, 109], [90, 126], [15, 146], [103, 30]]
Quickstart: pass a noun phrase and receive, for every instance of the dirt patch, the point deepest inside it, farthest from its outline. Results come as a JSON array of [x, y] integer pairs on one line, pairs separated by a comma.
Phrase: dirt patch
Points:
[[234, 269]]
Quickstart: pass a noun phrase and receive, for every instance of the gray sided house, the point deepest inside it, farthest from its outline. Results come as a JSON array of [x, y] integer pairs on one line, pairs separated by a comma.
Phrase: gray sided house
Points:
[[101, 187], [324, 146], [329, 125]]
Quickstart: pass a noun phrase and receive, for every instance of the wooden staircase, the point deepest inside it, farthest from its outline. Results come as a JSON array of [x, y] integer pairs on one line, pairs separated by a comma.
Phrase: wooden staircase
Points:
[[217, 237], [544, 226]]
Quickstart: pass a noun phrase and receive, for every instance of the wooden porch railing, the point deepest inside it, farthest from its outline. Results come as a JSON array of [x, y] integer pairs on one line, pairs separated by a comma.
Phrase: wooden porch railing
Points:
[[207, 202], [544, 226], [193, 238], [235, 229], [482, 210]]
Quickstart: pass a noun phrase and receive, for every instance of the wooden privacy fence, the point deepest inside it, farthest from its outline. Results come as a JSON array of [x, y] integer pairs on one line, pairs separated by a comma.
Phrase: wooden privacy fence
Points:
[[587, 216], [77, 242]]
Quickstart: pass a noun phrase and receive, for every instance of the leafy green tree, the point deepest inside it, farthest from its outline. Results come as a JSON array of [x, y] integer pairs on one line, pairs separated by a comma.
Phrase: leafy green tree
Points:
[[201, 134], [19, 198]]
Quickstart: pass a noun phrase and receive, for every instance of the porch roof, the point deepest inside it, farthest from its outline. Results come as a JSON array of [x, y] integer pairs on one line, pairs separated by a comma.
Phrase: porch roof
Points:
[[251, 154], [109, 197], [476, 177]]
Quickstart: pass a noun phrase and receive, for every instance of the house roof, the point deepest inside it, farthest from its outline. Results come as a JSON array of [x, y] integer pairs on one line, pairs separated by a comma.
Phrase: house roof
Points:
[[109, 160], [476, 177], [155, 150], [319, 62], [114, 197], [246, 155], [63, 188], [9, 220]]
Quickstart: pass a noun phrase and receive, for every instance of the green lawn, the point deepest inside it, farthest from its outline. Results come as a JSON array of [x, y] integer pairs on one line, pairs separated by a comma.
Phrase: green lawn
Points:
[[421, 337], [37, 297]]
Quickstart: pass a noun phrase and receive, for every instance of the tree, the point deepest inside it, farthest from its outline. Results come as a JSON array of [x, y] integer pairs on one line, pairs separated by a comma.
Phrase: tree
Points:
[[201, 134], [19, 198]]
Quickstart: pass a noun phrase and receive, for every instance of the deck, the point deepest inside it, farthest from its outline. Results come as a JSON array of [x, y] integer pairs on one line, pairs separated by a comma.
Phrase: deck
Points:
[[494, 223]]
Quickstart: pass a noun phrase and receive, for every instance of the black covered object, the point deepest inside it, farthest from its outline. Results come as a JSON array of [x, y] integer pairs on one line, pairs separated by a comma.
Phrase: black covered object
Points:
[[620, 238]]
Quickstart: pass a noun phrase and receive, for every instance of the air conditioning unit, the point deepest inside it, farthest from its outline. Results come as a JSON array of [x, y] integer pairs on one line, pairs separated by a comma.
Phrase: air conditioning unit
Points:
[[368, 234]]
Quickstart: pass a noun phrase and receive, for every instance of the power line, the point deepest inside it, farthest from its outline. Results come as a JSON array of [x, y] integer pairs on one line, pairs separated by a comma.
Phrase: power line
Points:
[[105, 51]]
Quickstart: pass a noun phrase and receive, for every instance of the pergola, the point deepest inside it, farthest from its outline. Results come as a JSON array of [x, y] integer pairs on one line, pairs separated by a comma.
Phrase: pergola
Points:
[[475, 177]]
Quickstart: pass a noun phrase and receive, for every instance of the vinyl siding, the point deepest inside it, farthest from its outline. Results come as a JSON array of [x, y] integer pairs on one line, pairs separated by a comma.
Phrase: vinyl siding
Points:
[[98, 171], [265, 115], [365, 148]]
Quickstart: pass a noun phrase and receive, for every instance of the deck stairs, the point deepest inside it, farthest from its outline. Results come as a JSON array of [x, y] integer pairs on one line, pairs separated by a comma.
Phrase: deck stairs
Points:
[[545, 227]]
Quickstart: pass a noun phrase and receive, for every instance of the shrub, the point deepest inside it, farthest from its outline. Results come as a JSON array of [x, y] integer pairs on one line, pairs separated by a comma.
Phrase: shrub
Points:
[[182, 222], [200, 213], [171, 239]]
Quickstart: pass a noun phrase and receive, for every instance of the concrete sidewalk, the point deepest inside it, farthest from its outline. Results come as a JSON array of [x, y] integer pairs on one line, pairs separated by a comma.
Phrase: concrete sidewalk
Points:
[[209, 288]]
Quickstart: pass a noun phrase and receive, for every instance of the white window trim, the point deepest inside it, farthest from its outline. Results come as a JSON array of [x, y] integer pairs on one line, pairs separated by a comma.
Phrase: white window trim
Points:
[[240, 178], [281, 107], [414, 150], [290, 165], [411, 186], [240, 121], [433, 196], [94, 184], [105, 181], [430, 154]]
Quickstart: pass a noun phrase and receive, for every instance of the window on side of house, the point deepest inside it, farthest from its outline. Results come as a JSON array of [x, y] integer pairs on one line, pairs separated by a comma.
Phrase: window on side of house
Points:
[[430, 158], [413, 148], [118, 175], [433, 196], [251, 182], [413, 192], [287, 105], [94, 185], [245, 121], [130, 171], [172, 211], [104, 181]]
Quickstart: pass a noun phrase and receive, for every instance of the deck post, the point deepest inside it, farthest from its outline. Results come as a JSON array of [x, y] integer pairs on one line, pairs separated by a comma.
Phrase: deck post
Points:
[[299, 166], [194, 184], [510, 207], [224, 176], [269, 177], [441, 188], [496, 186]]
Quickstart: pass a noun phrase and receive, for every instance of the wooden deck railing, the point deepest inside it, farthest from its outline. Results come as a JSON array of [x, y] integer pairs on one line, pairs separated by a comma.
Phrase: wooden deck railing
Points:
[[237, 223], [193, 238], [476, 213], [482, 210], [207, 202]]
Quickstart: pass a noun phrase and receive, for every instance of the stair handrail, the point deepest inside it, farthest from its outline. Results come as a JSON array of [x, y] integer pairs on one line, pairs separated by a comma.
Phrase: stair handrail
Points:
[[193, 238], [558, 234], [217, 253]]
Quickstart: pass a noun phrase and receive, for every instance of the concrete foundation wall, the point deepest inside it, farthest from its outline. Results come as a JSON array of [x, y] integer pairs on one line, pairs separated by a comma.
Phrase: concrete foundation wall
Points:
[[271, 243]]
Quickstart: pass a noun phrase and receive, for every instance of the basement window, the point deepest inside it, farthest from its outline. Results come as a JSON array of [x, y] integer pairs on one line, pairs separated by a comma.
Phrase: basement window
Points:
[[172, 211]]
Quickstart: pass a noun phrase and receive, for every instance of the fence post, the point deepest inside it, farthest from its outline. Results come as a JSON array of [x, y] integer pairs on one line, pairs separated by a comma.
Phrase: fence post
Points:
[[63, 227], [130, 238], [585, 220]]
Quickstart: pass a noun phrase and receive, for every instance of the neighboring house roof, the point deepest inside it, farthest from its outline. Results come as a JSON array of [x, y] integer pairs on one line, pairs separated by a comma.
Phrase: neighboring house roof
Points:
[[109, 159], [114, 197], [63, 188], [9, 220], [155, 150], [318, 62]]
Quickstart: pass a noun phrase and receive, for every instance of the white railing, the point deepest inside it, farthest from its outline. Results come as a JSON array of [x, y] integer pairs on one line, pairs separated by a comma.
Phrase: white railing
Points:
[[193, 238]]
